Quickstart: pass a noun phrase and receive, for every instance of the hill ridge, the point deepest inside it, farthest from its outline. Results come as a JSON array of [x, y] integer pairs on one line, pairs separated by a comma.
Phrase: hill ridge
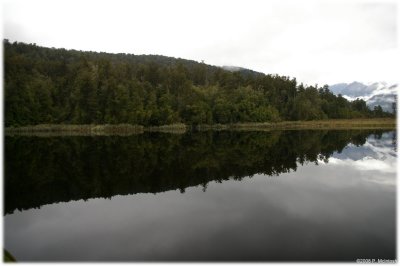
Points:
[[59, 86]]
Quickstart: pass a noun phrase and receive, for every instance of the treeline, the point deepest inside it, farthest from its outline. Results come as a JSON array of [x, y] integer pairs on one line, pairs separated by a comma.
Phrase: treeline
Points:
[[156, 162], [48, 85]]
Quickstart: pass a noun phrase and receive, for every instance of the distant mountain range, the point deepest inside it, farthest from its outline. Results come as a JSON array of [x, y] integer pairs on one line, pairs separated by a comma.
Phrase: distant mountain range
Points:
[[378, 93]]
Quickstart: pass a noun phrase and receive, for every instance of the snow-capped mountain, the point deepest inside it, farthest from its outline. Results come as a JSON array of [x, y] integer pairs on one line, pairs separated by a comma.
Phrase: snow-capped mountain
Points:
[[378, 93]]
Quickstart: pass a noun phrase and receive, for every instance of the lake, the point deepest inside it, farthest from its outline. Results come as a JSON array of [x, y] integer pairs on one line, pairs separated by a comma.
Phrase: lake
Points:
[[202, 196]]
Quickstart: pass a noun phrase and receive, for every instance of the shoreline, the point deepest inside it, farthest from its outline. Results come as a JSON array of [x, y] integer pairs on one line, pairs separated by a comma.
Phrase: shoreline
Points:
[[128, 129]]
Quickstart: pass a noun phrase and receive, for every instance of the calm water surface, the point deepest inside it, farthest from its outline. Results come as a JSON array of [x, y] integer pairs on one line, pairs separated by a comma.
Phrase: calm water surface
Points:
[[209, 196]]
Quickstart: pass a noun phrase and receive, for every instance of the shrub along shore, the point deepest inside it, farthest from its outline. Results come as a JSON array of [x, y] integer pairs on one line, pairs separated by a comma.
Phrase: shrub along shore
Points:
[[128, 129]]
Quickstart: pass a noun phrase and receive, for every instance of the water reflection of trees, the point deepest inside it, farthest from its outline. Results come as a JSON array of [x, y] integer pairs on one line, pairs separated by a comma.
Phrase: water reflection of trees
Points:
[[47, 170]]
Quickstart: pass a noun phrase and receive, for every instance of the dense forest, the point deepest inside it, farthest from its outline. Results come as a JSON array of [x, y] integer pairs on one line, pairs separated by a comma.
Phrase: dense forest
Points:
[[59, 86], [157, 162]]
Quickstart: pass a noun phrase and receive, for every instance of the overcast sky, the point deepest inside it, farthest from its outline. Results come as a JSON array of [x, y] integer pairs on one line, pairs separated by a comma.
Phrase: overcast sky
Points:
[[322, 42]]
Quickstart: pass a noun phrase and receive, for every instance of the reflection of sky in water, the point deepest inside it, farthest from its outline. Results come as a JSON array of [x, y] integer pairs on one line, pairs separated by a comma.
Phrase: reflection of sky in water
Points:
[[375, 148], [376, 156], [342, 210]]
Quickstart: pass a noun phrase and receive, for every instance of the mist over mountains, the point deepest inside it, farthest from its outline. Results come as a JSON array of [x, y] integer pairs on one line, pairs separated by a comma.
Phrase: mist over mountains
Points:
[[378, 93]]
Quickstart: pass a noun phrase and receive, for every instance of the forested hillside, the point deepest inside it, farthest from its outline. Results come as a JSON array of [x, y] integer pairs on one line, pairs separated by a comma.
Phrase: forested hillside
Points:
[[58, 86]]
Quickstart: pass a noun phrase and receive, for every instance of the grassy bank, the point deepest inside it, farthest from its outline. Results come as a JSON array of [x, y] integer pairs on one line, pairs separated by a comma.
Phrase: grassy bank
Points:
[[75, 130], [386, 123], [48, 130], [127, 129], [174, 128]]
